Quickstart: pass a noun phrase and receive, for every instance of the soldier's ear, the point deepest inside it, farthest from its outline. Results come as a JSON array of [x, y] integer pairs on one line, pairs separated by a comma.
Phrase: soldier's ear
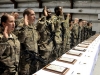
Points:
[[3, 23]]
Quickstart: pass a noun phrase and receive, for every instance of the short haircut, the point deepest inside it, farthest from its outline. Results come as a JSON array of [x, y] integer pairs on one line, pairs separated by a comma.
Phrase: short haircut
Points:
[[26, 11], [56, 8], [4, 18], [80, 20]]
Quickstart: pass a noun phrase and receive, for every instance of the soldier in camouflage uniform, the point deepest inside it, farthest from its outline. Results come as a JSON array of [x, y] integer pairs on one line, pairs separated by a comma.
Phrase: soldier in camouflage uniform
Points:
[[71, 34], [16, 16], [80, 31], [75, 31], [19, 26], [28, 37], [66, 34], [9, 46], [45, 29], [57, 19], [85, 29], [89, 26], [17, 23]]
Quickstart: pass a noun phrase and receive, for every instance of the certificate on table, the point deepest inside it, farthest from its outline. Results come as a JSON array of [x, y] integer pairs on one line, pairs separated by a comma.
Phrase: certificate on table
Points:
[[77, 48], [67, 60], [86, 43], [56, 69], [82, 45], [74, 53]]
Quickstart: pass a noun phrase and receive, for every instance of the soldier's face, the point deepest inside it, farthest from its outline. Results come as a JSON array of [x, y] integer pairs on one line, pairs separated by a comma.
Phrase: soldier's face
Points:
[[59, 11], [16, 15], [80, 23], [10, 23], [31, 17], [49, 12], [76, 20]]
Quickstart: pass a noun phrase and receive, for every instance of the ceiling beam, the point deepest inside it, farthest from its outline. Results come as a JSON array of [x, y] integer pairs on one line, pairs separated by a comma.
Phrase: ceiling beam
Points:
[[71, 4], [71, 7], [76, 11], [15, 3], [40, 6]]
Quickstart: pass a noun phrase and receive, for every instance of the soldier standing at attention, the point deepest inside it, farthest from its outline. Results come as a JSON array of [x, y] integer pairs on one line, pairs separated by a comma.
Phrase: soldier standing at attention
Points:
[[89, 31], [9, 47], [28, 38], [80, 31], [45, 29], [85, 29]]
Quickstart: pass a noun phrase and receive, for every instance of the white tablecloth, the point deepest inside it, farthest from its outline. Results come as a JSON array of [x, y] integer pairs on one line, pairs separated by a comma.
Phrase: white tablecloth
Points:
[[84, 64]]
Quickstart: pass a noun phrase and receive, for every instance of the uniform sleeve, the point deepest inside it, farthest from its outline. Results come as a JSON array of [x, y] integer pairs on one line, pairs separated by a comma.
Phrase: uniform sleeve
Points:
[[41, 24], [4, 50], [22, 35]]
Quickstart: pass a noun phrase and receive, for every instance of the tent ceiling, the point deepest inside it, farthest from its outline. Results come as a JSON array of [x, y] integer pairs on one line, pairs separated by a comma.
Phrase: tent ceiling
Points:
[[9, 1]]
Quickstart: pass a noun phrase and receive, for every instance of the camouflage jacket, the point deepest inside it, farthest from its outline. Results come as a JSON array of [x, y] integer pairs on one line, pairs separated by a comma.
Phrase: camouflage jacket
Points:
[[57, 20], [45, 29], [28, 36], [75, 30], [9, 50]]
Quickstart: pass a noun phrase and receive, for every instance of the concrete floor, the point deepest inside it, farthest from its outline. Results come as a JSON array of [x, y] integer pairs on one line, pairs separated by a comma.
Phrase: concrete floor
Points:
[[97, 67]]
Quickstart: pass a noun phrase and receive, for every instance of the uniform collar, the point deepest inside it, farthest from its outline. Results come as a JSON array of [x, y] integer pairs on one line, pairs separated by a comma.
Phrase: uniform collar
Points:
[[10, 36]]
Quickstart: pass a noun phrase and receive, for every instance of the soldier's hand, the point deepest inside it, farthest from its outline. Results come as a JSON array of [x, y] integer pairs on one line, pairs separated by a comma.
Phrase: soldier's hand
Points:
[[26, 20], [12, 13], [45, 11], [5, 32], [68, 14], [45, 7]]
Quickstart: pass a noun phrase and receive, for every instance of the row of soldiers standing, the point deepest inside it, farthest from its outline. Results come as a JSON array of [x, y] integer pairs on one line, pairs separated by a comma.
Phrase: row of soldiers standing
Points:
[[56, 35], [80, 31], [50, 37]]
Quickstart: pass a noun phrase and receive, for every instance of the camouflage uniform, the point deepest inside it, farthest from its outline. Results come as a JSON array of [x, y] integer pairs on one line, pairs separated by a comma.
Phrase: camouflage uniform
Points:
[[19, 25], [28, 37], [80, 32], [71, 39], [85, 29], [45, 29], [75, 33], [10, 53], [89, 31], [57, 20], [66, 41], [0, 29], [16, 22]]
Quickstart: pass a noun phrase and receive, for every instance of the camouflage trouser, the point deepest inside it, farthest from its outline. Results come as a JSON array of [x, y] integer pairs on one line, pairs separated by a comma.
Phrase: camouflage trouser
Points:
[[26, 67], [45, 55], [67, 47], [64, 47], [57, 52], [10, 71], [76, 41], [34, 68]]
